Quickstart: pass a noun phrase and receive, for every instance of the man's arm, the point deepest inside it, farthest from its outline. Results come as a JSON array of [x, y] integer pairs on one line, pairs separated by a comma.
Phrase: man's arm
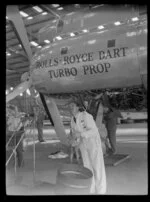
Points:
[[118, 114], [91, 127]]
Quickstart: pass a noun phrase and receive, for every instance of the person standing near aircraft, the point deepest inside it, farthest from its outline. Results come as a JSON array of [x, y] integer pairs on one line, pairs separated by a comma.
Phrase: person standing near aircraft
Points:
[[110, 119], [101, 127], [95, 108], [92, 105], [84, 126], [39, 118], [15, 124]]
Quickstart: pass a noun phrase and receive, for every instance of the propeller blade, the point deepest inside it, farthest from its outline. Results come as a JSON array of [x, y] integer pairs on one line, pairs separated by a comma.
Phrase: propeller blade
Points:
[[19, 89], [16, 19]]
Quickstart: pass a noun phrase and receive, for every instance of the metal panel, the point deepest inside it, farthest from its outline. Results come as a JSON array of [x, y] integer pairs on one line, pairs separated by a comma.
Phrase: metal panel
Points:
[[142, 51]]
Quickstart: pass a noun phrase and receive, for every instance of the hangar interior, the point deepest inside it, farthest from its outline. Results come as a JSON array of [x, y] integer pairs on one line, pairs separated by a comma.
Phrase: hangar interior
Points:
[[38, 174]]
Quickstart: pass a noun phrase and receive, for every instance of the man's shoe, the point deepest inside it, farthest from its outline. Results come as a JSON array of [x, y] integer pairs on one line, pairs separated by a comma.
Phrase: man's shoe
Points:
[[41, 140], [109, 152]]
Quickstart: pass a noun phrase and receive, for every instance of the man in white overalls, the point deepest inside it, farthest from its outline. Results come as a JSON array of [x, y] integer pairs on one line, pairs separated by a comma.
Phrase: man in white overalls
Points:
[[85, 128], [96, 107]]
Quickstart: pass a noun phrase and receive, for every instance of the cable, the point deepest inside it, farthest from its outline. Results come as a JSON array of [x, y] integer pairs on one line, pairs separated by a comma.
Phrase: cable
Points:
[[14, 150], [15, 154], [34, 177], [10, 139]]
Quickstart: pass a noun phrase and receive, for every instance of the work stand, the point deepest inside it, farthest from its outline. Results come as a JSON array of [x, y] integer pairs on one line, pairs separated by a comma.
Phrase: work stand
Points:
[[115, 159]]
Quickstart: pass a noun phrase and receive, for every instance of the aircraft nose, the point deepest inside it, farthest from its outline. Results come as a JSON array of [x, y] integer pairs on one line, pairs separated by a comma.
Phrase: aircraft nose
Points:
[[37, 76]]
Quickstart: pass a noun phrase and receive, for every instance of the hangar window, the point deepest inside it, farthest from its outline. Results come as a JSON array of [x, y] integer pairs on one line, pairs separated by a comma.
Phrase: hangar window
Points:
[[64, 50], [111, 43]]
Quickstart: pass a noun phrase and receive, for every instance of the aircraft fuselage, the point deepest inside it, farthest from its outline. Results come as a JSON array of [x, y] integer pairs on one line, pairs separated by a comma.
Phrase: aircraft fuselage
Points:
[[109, 58]]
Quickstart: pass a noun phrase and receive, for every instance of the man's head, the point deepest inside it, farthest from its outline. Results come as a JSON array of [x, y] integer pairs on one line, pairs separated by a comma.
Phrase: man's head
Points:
[[86, 104], [75, 107], [106, 109]]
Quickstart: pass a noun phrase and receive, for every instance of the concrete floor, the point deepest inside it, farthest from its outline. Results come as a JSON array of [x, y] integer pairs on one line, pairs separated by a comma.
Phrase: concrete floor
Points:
[[127, 178]]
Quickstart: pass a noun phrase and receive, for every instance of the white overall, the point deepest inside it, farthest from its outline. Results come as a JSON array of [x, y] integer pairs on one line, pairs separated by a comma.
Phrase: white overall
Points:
[[91, 150]]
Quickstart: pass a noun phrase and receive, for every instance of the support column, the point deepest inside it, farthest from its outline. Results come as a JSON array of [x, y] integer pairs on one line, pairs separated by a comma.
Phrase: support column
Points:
[[59, 127]]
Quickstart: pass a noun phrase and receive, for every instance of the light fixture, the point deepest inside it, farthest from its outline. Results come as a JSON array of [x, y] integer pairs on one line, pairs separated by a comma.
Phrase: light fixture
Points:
[[100, 27], [72, 34], [70, 13], [131, 33], [58, 37], [39, 47], [98, 6], [23, 14], [34, 43], [6, 17], [89, 15], [142, 48], [30, 18], [100, 32], [77, 5], [11, 88], [117, 23], [38, 9], [7, 92], [21, 94], [92, 41], [54, 21], [135, 19], [44, 13], [55, 5], [8, 54], [28, 92], [20, 45], [84, 30], [46, 41], [60, 8]]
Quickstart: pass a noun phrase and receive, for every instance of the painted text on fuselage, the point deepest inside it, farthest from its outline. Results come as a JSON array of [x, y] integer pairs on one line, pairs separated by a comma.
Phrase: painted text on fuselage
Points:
[[86, 60]]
